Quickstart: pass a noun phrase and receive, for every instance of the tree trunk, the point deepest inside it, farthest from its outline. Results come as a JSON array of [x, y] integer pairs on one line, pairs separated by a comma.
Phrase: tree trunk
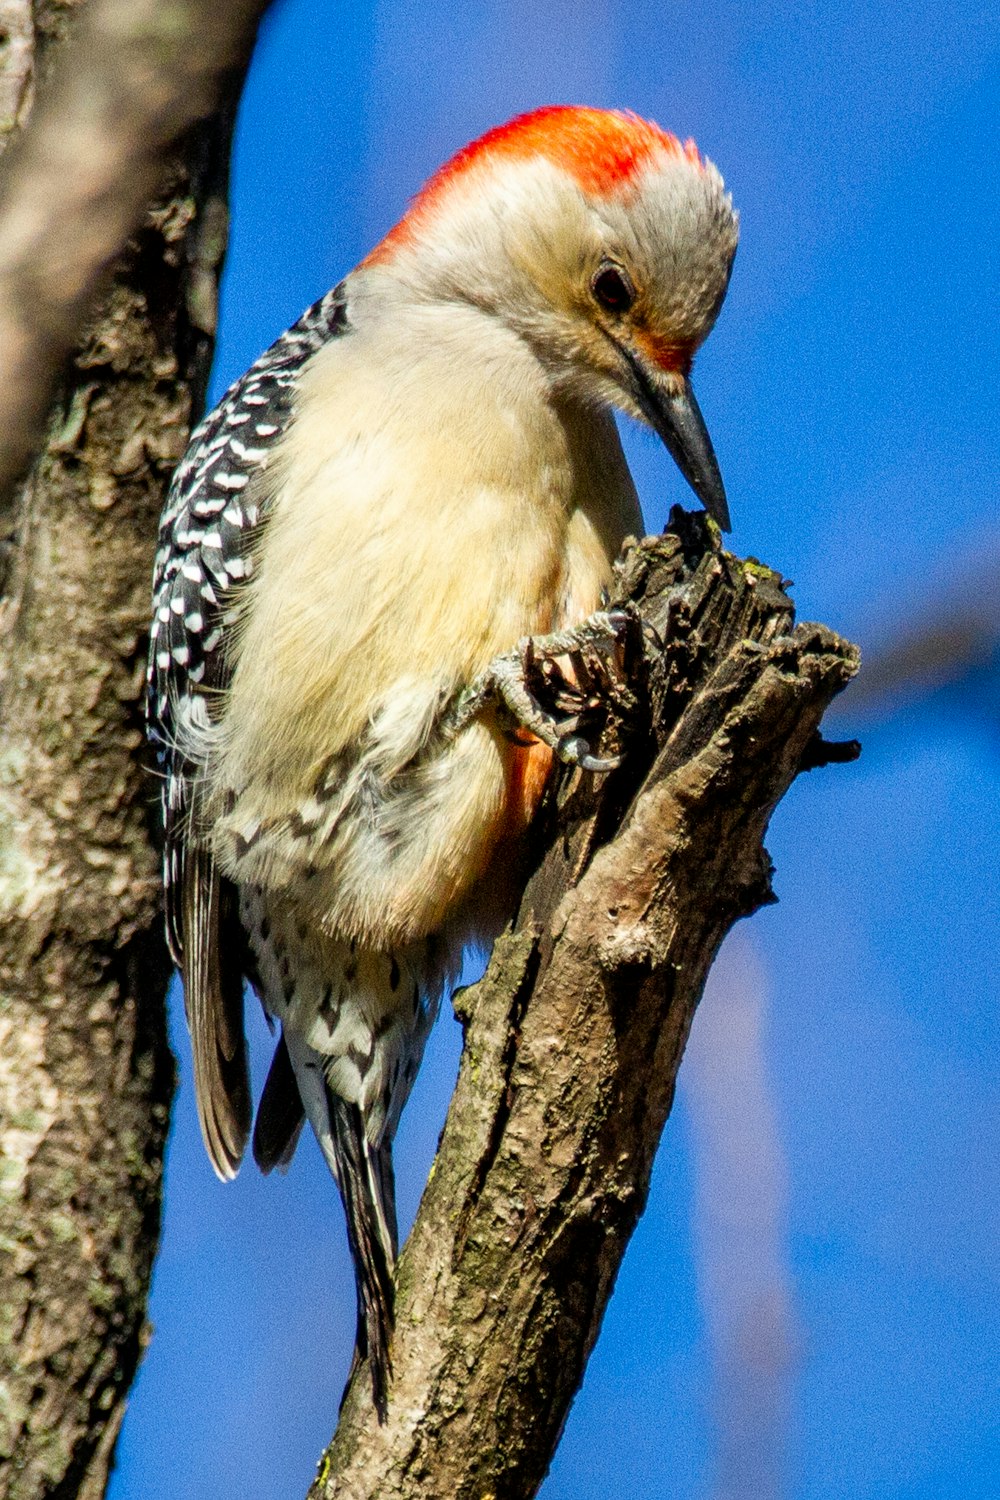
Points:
[[574, 1037], [86, 1076]]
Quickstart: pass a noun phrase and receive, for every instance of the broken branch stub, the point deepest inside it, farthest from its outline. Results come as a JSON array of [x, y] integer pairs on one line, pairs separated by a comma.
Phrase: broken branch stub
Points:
[[574, 1036]]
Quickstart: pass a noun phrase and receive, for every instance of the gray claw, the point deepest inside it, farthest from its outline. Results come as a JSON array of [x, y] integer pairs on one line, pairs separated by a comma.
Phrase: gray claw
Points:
[[504, 683], [601, 764], [575, 751]]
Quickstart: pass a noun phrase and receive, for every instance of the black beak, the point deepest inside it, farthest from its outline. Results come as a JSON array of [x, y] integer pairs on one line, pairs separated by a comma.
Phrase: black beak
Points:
[[672, 411]]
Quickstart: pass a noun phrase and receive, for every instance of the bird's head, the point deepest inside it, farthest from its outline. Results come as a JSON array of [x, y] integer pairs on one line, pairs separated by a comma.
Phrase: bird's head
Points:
[[600, 239]]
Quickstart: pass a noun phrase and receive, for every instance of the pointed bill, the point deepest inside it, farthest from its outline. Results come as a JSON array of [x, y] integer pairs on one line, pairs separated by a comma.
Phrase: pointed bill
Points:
[[681, 425], [669, 406]]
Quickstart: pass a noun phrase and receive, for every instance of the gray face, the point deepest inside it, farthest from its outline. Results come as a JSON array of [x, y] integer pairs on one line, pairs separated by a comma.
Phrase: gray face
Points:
[[652, 299], [676, 234]]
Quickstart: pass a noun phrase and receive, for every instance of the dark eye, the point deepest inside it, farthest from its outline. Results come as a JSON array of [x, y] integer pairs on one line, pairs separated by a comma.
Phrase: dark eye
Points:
[[612, 289]]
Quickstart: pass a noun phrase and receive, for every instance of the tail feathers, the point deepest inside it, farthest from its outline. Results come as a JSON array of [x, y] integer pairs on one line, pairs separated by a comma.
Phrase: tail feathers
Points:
[[387, 1188], [213, 997], [365, 1176], [280, 1114]]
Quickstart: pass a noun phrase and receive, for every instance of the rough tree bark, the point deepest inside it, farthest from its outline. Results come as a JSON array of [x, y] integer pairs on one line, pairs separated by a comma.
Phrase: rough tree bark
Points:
[[574, 1037], [85, 1072]]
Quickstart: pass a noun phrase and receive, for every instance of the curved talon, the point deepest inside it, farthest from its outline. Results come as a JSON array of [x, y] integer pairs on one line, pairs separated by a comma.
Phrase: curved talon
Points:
[[574, 750], [599, 763], [625, 624], [504, 685]]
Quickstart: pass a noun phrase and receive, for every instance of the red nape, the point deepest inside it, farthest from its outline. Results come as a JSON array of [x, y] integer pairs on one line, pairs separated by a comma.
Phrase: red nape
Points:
[[601, 148]]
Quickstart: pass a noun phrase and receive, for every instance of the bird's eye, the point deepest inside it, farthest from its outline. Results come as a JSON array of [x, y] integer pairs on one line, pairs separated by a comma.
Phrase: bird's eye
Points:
[[612, 289]]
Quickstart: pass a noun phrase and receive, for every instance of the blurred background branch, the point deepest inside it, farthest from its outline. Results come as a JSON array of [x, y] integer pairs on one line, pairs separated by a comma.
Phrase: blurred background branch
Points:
[[740, 1228], [950, 640]]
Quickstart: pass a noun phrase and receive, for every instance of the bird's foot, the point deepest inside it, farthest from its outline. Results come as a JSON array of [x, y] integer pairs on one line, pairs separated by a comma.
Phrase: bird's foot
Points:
[[560, 688]]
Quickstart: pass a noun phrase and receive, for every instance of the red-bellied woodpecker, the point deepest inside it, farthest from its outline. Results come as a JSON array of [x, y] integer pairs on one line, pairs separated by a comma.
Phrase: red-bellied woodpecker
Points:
[[422, 471]]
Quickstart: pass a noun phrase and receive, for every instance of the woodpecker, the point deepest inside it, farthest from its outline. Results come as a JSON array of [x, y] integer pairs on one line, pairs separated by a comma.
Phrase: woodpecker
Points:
[[424, 470]]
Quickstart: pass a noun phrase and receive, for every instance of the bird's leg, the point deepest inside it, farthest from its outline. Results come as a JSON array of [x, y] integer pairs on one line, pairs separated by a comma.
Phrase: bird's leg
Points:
[[532, 690]]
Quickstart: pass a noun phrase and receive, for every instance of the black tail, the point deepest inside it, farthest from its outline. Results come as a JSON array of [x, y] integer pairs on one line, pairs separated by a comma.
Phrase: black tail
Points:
[[280, 1115], [366, 1186]]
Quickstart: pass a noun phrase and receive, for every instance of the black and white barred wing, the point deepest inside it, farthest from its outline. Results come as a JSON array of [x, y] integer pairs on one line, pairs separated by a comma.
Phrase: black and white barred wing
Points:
[[215, 508]]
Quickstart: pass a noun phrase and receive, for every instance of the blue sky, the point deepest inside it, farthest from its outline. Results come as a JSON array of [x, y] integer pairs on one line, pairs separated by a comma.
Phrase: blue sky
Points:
[[828, 1180]]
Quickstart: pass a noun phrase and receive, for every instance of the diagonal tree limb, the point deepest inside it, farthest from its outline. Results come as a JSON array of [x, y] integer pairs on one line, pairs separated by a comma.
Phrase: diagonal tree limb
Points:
[[574, 1036]]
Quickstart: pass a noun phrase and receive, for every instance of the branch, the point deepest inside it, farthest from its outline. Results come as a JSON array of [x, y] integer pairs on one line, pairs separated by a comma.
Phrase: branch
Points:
[[136, 75], [574, 1037]]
